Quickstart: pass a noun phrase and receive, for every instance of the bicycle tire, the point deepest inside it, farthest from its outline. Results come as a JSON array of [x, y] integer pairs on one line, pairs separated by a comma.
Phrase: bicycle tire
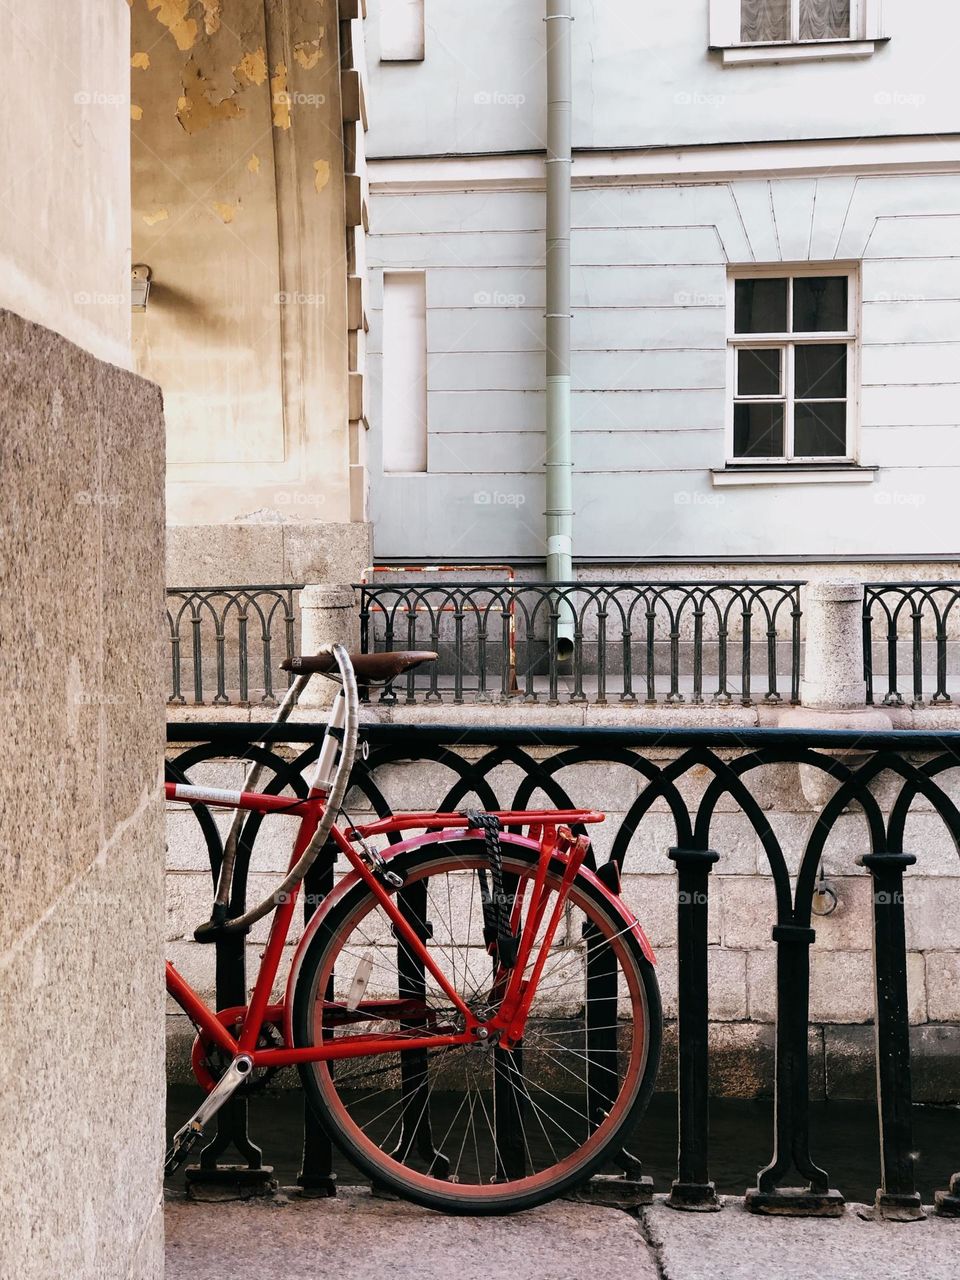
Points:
[[433, 1175]]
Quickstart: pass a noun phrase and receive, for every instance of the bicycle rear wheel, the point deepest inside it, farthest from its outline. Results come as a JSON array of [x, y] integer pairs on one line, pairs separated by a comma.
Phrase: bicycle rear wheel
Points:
[[478, 1129]]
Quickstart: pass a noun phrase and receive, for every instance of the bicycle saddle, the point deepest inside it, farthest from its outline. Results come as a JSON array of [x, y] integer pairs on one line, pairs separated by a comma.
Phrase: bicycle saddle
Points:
[[368, 666]]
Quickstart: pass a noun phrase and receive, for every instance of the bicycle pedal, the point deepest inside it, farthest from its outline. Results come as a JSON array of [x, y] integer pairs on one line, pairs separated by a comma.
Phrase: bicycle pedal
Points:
[[183, 1143]]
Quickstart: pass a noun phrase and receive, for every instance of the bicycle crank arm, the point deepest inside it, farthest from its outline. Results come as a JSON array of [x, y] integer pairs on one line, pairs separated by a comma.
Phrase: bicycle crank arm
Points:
[[186, 1138]]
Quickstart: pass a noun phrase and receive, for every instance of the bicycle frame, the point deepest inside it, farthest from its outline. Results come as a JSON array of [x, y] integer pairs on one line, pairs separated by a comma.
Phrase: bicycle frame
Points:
[[509, 1019]]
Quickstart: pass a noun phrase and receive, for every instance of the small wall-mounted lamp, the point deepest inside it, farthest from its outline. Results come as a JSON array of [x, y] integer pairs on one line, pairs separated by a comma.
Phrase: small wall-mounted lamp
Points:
[[139, 286]]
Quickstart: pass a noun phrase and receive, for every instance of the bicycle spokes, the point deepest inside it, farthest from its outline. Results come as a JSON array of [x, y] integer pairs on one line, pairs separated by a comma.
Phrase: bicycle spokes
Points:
[[555, 1065]]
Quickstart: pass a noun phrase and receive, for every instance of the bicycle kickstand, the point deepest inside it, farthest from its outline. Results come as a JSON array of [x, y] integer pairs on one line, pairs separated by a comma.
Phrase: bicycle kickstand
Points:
[[190, 1134]]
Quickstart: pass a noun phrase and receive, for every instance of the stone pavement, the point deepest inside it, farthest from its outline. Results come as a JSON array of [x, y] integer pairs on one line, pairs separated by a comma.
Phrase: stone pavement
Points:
[[357, 1237], [737, 1245]]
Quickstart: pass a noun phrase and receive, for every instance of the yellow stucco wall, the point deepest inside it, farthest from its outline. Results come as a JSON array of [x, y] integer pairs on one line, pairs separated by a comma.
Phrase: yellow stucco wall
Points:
[[238, 209]]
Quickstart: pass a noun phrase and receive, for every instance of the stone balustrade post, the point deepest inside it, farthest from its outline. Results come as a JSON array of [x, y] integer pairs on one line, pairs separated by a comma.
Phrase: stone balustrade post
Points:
[[833, 677], [833, 691], [328, 615]]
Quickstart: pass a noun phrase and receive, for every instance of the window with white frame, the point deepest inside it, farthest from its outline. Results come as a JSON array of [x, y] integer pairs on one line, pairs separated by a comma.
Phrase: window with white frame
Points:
[[793, 20], [792, 365], [811, 28]]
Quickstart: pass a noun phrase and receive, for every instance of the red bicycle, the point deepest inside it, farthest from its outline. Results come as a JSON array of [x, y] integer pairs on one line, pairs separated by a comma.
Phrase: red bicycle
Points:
[[473, 1011]]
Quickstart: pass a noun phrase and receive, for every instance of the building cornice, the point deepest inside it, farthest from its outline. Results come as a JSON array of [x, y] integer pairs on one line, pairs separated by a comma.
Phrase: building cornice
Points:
[[652, 166]]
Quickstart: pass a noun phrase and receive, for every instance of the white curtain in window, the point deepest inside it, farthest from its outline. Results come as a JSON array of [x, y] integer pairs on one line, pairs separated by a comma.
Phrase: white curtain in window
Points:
[[824, 19], [762, 20]]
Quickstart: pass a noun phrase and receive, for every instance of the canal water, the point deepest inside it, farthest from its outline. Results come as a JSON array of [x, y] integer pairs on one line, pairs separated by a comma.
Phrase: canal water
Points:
[[844, 1141]]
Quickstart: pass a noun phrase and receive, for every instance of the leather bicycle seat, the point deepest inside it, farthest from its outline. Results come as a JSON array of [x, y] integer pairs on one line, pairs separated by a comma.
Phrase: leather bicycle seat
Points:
[[375, 667]]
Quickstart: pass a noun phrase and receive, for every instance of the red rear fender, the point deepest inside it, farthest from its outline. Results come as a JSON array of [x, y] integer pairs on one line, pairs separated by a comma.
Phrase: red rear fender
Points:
[[615, 902]]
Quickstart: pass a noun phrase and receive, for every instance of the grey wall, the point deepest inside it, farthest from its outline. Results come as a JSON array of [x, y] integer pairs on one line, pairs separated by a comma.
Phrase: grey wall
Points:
[[81, 858], [644, 76], [658, 220], [649, 366]]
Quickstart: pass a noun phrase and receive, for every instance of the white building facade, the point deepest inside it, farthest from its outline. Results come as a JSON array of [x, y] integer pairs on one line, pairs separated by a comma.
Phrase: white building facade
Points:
[[766, 281]]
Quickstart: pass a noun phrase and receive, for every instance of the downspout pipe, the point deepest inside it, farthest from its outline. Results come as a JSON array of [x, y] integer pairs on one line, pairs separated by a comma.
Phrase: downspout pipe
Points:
[[559, 450]]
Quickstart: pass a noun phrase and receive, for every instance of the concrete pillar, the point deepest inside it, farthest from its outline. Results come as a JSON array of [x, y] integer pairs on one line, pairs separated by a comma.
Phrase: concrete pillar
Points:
[[833, 656], [328, 615]]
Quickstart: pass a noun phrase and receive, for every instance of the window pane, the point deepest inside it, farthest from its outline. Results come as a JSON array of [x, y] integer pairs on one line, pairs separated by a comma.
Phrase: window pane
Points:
[[819, 304], [758, 372], [758, 430], [820, 372], [820, 430], [760, 306], [764, 20], [824, 19]]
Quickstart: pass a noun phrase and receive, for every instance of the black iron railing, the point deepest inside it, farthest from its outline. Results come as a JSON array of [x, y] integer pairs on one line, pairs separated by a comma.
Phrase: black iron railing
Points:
[[228, 641], [911, 637], [633, 642], [728, 763]]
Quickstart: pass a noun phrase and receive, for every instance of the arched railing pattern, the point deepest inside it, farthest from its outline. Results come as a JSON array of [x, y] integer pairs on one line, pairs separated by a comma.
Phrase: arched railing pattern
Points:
[[511, 767], [228, 642], [653, 642], [911, 631]]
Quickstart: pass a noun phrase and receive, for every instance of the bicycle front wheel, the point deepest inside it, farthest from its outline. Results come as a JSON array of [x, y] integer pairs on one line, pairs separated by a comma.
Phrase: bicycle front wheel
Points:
[[478, 1129]]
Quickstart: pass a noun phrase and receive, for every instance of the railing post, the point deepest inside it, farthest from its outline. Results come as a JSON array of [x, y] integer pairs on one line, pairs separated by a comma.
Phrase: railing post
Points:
[[792, 1092], [328, 615], [796, 613], [631, 1187], [897, 1197], [693, 1188], [948, 1202], [867, 634], [253, 1178]]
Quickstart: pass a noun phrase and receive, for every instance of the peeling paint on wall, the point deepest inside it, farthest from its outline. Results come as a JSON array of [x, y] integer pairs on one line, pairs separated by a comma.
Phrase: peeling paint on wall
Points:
[[172, 14], [140, 61], [264, 58], [196, 108], [307, 52], [211, 16], [280, 97], [253, 65]]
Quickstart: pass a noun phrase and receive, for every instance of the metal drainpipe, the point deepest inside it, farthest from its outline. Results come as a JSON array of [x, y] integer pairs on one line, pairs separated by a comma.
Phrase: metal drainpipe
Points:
[[559, 454]]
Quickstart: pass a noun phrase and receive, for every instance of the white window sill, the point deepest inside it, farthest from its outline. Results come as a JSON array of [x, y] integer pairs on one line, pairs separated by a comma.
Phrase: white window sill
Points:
[[809, 51], [791, 473]]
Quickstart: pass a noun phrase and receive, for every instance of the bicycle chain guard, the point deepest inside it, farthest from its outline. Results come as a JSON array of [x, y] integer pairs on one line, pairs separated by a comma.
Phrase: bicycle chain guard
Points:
[[209, 1062]]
